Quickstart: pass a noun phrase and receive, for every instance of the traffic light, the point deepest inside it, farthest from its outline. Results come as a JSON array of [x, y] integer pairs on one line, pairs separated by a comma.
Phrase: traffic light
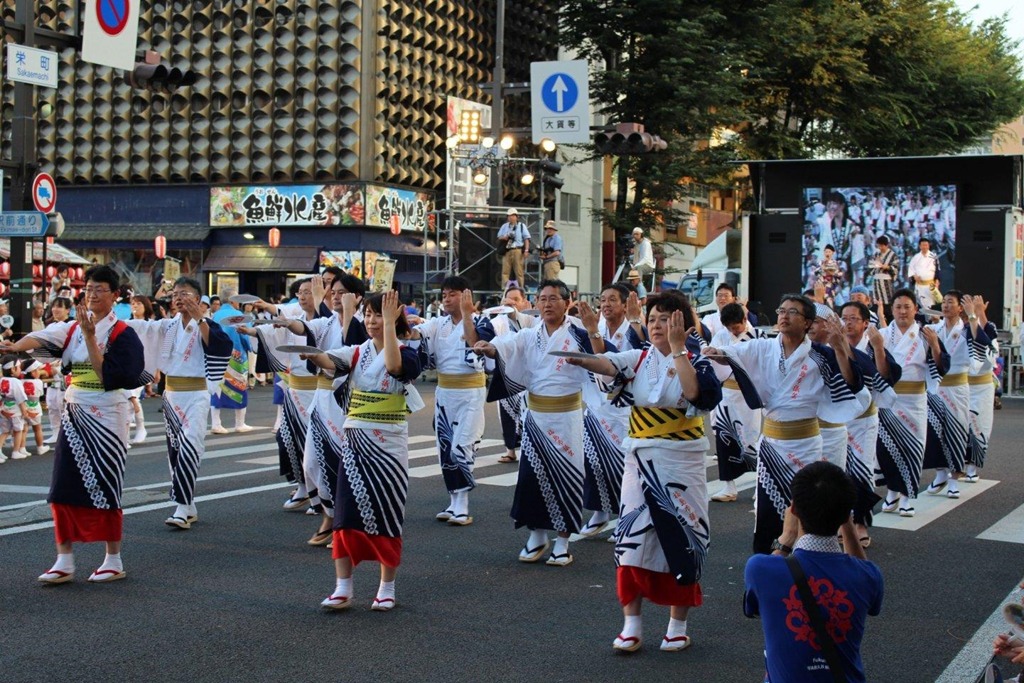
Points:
[[549, 173], [152, 74], [629, 139]]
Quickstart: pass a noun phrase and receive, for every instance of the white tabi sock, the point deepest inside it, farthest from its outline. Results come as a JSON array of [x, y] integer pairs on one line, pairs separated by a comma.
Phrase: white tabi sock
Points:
[[301, 491], [561, 546], [343, 588], [192, 511], [941, 477], [239, 417], [633, 627], [952, 484], [905, 502], [277, 420], [113, 562], [215, 417], [972, 470], [730, 488], [598, 519], [65, 563], [460, 503], [676, 628], [538, 537], [386, 590], [181, 511]]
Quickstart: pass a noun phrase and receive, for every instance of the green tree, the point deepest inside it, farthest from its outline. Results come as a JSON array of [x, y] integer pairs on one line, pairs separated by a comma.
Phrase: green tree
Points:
[[672, 66], [874, 78]]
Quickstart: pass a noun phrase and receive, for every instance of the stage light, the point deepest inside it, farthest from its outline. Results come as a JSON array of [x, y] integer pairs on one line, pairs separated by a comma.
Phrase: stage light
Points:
[[548, 145], [507, 142], [527, 178]]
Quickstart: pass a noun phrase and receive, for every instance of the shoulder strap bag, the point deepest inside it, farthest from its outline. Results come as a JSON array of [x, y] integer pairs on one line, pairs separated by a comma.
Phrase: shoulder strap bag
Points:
[[828, 646]]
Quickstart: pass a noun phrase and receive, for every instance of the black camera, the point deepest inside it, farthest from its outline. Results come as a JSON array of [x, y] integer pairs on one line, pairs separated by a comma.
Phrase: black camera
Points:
[[626, 243]]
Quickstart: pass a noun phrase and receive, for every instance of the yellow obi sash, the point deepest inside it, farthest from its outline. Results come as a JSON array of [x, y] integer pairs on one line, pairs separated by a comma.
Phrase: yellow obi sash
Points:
[[828, 425], [731, 384], [84, 377], [469, 380], [302, 382], [373, 406], [185, 383], [909, 387], [554, 404], [980, 380], [872, 410], [325, 382], [957, 380], [925, 283], [664, 423], [790, 431]]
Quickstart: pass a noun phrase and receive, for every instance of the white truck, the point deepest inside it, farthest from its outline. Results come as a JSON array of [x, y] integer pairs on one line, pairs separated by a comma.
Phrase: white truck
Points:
[[724, 259]]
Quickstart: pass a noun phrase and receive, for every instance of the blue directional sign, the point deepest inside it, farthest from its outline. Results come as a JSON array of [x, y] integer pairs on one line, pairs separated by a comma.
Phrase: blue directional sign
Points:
[[559, 92], [23, 224], [560, 101]]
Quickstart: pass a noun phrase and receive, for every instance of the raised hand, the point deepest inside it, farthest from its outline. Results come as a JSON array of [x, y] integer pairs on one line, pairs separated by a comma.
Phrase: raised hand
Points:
[[875, 338], [85, 323], [317, 285], [633, 310], [967, 301], [348, 302], [466, 304], [929, 336], [390, 308], [588, 316]]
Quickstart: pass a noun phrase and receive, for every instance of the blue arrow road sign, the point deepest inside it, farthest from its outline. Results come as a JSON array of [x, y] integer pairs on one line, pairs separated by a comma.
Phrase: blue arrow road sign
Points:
[[23, 224], [560, 92]]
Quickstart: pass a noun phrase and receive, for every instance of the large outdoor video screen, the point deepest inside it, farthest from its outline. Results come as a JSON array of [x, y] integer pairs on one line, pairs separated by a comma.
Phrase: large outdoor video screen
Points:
[[851, 219]]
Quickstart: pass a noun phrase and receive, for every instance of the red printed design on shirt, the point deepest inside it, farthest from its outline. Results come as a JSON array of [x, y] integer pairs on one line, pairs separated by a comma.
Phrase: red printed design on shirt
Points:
[[838, 607]]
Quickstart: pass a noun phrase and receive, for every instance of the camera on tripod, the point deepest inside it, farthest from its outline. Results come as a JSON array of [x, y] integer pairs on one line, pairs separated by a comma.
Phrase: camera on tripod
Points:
[[625, 243]]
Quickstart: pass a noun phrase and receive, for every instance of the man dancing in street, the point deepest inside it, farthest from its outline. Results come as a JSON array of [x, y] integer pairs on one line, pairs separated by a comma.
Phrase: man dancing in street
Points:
[[445, 343], [190, 350]]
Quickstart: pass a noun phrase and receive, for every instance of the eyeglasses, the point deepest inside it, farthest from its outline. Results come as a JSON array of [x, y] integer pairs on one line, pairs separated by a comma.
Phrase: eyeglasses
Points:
[[790, 312], [96, 290], [853, 319], [181, 294], [549, 299]]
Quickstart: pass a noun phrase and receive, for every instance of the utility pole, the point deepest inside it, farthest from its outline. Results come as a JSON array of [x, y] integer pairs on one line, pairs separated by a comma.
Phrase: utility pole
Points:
[[24, 165], [497, 101]]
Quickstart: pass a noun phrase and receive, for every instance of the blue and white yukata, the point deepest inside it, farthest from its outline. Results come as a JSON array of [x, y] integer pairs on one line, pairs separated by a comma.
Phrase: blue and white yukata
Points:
[[903, 429], [794, 392], [663, 530], [549, 493], [190, 366], [373, 471], [458, 401]]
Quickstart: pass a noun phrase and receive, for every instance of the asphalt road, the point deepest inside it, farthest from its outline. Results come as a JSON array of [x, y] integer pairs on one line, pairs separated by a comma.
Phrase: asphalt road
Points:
[[237, 597]]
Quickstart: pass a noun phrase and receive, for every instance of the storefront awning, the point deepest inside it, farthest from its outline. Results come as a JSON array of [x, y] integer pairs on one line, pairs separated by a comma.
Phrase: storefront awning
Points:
[[134, 233], [55, 253], [261, 257]]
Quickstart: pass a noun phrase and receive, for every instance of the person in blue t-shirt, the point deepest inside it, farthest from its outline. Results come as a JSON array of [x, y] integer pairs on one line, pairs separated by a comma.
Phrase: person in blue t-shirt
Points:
[[846, 586]]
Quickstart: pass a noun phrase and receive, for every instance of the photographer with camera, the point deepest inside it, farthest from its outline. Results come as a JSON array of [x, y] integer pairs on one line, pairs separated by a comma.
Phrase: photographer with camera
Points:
[[551, 252], [514, 237], [643, 254]]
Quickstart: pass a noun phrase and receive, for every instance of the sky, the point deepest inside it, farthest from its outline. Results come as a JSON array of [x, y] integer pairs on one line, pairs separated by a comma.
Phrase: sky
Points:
[[994, 8]]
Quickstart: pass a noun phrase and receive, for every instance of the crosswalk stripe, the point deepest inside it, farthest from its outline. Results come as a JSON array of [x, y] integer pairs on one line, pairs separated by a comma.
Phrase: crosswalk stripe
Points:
[[435, 468], [929, 508], [1010, 529]]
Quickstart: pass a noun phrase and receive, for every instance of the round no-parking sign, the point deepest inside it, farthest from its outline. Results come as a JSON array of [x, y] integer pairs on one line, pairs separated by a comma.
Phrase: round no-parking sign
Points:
[[44, 193], [113, 15]]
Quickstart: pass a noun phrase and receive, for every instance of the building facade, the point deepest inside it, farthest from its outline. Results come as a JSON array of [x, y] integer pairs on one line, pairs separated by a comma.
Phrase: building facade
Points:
[[331, 95]]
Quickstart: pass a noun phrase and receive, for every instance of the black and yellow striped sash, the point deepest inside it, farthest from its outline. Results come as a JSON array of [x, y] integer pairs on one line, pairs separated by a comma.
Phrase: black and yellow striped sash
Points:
[[374, 406], [664, 423]]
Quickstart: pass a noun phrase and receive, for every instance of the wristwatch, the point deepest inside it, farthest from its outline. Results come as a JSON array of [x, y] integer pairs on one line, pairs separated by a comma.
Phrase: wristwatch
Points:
[[635, 321], [776, 545], [595, 335]]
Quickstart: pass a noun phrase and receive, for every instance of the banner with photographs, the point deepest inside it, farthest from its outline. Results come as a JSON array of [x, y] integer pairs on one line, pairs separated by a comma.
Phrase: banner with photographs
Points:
[[842, 226], [385, 204], [335, 204], [358, 263]]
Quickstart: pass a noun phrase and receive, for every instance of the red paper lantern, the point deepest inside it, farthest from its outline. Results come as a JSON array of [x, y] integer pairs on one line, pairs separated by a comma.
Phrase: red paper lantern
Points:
[[49, 240], [274, 238], [396, 224], [80, 272], [50, 272], [3, 288], [160, 246], [37, 270], [5, 268]]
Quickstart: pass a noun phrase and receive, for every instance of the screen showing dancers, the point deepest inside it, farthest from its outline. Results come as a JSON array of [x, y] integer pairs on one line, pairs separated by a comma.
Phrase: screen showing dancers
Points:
[[843, 227]]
